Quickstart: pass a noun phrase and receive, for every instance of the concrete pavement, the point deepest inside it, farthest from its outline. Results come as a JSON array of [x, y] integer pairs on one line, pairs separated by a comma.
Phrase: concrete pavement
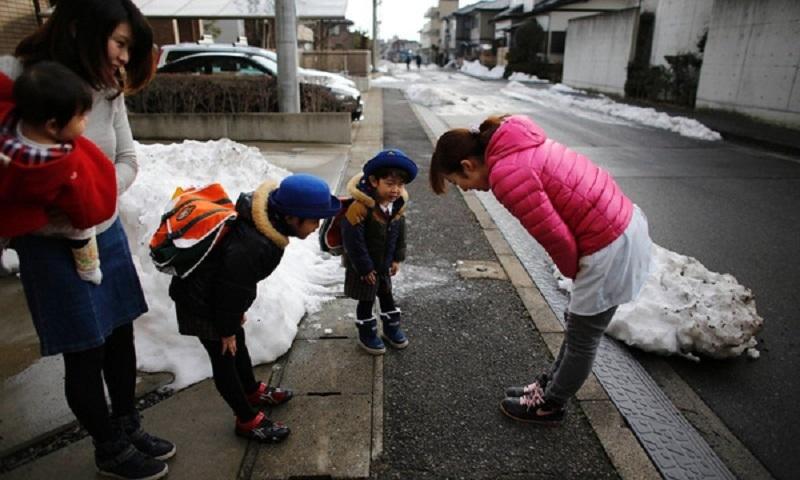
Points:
[[335, 416], [436, 416]]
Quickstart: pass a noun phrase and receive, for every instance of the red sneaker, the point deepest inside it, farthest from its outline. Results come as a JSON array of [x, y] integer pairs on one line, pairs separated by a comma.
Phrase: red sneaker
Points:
[[262, 429], [269, 396]]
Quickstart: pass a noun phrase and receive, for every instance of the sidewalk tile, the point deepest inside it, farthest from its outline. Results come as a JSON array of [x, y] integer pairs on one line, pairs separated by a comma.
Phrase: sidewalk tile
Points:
[[201, 425], [328, 366], [330, 439], [335, 319]]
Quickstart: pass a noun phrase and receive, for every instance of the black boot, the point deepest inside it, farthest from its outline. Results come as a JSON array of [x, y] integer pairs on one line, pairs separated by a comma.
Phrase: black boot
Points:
[[118, 458], [151, 445], [392, 333]]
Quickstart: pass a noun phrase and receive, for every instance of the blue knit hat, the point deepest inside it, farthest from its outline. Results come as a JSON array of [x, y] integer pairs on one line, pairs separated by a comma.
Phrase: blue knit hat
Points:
[[391, 158], [304, 196]]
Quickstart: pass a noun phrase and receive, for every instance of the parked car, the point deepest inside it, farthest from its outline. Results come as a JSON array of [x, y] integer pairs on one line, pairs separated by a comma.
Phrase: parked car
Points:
[[245, 64], [170, 53]]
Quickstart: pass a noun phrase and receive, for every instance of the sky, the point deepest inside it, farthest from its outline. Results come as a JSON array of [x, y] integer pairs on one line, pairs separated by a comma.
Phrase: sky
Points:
[[403, 18]]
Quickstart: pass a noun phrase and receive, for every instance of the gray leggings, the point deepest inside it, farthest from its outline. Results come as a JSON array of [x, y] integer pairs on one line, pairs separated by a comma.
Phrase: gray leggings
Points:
[[576, 356]]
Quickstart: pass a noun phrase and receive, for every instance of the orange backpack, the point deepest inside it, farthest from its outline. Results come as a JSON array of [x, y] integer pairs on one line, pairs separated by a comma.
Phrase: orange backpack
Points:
[[196, 219]]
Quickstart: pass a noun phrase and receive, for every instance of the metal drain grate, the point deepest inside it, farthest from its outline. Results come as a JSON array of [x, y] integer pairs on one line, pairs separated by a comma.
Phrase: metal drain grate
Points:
[[480, 269]]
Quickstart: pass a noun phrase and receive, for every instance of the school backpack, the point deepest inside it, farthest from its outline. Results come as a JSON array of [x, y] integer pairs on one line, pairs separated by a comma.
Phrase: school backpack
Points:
[[196, 219], [330, 233]]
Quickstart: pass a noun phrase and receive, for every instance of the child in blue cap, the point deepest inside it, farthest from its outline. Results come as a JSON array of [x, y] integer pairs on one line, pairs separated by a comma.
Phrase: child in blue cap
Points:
[[373, 236], [211, 301]]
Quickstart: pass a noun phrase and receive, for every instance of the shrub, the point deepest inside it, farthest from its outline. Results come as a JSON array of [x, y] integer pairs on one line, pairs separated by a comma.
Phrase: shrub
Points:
[[685, 69], [647, 82], [526, 53], [676, 84], [188, 93]]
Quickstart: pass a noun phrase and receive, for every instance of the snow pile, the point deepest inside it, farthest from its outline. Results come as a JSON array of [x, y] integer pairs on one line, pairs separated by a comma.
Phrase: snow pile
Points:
[[477, 70], [430, 96], [299, 284], [386, 80], [561, 88], [562, 96], [524, 77], [444, 101], [688, 310]]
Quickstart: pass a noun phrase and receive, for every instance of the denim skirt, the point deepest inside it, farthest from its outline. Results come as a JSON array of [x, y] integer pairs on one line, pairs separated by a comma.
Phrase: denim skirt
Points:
[[70, 314]]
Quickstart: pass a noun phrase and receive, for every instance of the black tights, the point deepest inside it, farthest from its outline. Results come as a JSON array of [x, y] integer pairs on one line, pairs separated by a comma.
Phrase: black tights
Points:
[[233, 375], [364, 307], [114, 361]]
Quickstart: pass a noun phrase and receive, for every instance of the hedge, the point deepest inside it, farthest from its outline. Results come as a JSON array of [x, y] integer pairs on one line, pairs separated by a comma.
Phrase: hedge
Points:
[[188, 93]]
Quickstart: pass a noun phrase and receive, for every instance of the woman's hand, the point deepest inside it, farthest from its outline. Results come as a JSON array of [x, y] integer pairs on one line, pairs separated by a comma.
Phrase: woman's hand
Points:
[[370, 279], [395, 268], [229, 345]]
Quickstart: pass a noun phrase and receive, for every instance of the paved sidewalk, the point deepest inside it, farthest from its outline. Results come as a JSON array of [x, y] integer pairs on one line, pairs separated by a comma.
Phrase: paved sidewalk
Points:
[[331, 416], [477, 322]]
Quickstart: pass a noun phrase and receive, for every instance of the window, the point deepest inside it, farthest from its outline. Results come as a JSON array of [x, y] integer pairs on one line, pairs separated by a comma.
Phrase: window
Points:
[[335, 30], [173, 55], [558, 41], [222, 64], [247, 68]]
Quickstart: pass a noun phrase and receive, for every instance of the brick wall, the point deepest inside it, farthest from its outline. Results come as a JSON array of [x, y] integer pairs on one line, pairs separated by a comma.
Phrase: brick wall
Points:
[[17, 20], [163, 31]]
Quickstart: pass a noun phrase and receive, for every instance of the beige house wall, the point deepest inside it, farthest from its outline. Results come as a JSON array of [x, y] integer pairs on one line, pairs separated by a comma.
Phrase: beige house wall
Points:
[[17, 20]]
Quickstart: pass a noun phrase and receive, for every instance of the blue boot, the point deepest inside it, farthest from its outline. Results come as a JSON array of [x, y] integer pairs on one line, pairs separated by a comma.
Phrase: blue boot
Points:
[[392, 333], [368, 337]]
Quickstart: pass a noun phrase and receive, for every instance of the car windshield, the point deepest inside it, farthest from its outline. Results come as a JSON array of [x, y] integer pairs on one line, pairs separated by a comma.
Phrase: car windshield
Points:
[[266, 63]]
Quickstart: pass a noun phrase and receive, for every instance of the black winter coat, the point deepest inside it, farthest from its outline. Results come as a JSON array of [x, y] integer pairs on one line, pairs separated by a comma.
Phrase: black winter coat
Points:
[[211, 301], [371, 240]]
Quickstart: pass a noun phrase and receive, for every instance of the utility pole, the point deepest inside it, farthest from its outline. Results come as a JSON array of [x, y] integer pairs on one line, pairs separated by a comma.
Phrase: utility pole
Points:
[[375, 48], [286, 37]]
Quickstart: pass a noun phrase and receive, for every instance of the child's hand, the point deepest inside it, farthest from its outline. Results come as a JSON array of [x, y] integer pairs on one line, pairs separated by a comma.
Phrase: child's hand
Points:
[[395, 268], [370, 279], [87, 262], [229, 345], [243, 320], [92, 276]]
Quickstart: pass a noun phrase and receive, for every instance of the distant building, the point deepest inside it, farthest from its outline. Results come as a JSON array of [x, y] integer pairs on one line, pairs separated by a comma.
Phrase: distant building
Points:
[[506, 22], [190, 20], [397, 49], [468, 33], [431, 38], [553, 16], [333, 34]]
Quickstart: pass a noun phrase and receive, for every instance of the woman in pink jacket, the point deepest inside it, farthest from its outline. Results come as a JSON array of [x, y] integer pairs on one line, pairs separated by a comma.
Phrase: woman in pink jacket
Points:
[[595, 235]]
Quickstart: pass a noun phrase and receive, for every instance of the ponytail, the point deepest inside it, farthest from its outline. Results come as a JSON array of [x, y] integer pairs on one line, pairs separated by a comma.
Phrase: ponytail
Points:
[[458, 144]]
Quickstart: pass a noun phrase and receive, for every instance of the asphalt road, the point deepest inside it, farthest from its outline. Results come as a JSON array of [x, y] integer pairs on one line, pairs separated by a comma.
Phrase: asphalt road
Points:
[[737, 210], [469, 339]]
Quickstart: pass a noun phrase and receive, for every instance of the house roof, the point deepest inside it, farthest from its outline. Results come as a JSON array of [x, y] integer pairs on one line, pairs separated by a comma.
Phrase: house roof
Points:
[[486, 5], [548, 5], [509, 13], [311, 9]]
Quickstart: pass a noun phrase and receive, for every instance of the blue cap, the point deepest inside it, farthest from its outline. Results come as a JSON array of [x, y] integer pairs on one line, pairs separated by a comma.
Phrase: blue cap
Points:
[[304, 196], [391, 158]]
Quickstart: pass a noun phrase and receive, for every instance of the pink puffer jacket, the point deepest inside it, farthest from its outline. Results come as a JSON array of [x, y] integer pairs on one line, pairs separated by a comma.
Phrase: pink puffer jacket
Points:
[[568, 204]]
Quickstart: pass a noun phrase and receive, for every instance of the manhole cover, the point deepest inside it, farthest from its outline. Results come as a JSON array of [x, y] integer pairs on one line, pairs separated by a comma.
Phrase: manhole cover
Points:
[[480, 269]]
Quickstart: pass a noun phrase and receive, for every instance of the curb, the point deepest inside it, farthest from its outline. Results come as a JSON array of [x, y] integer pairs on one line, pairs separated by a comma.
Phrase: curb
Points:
[[620, 444], [606, 419]]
